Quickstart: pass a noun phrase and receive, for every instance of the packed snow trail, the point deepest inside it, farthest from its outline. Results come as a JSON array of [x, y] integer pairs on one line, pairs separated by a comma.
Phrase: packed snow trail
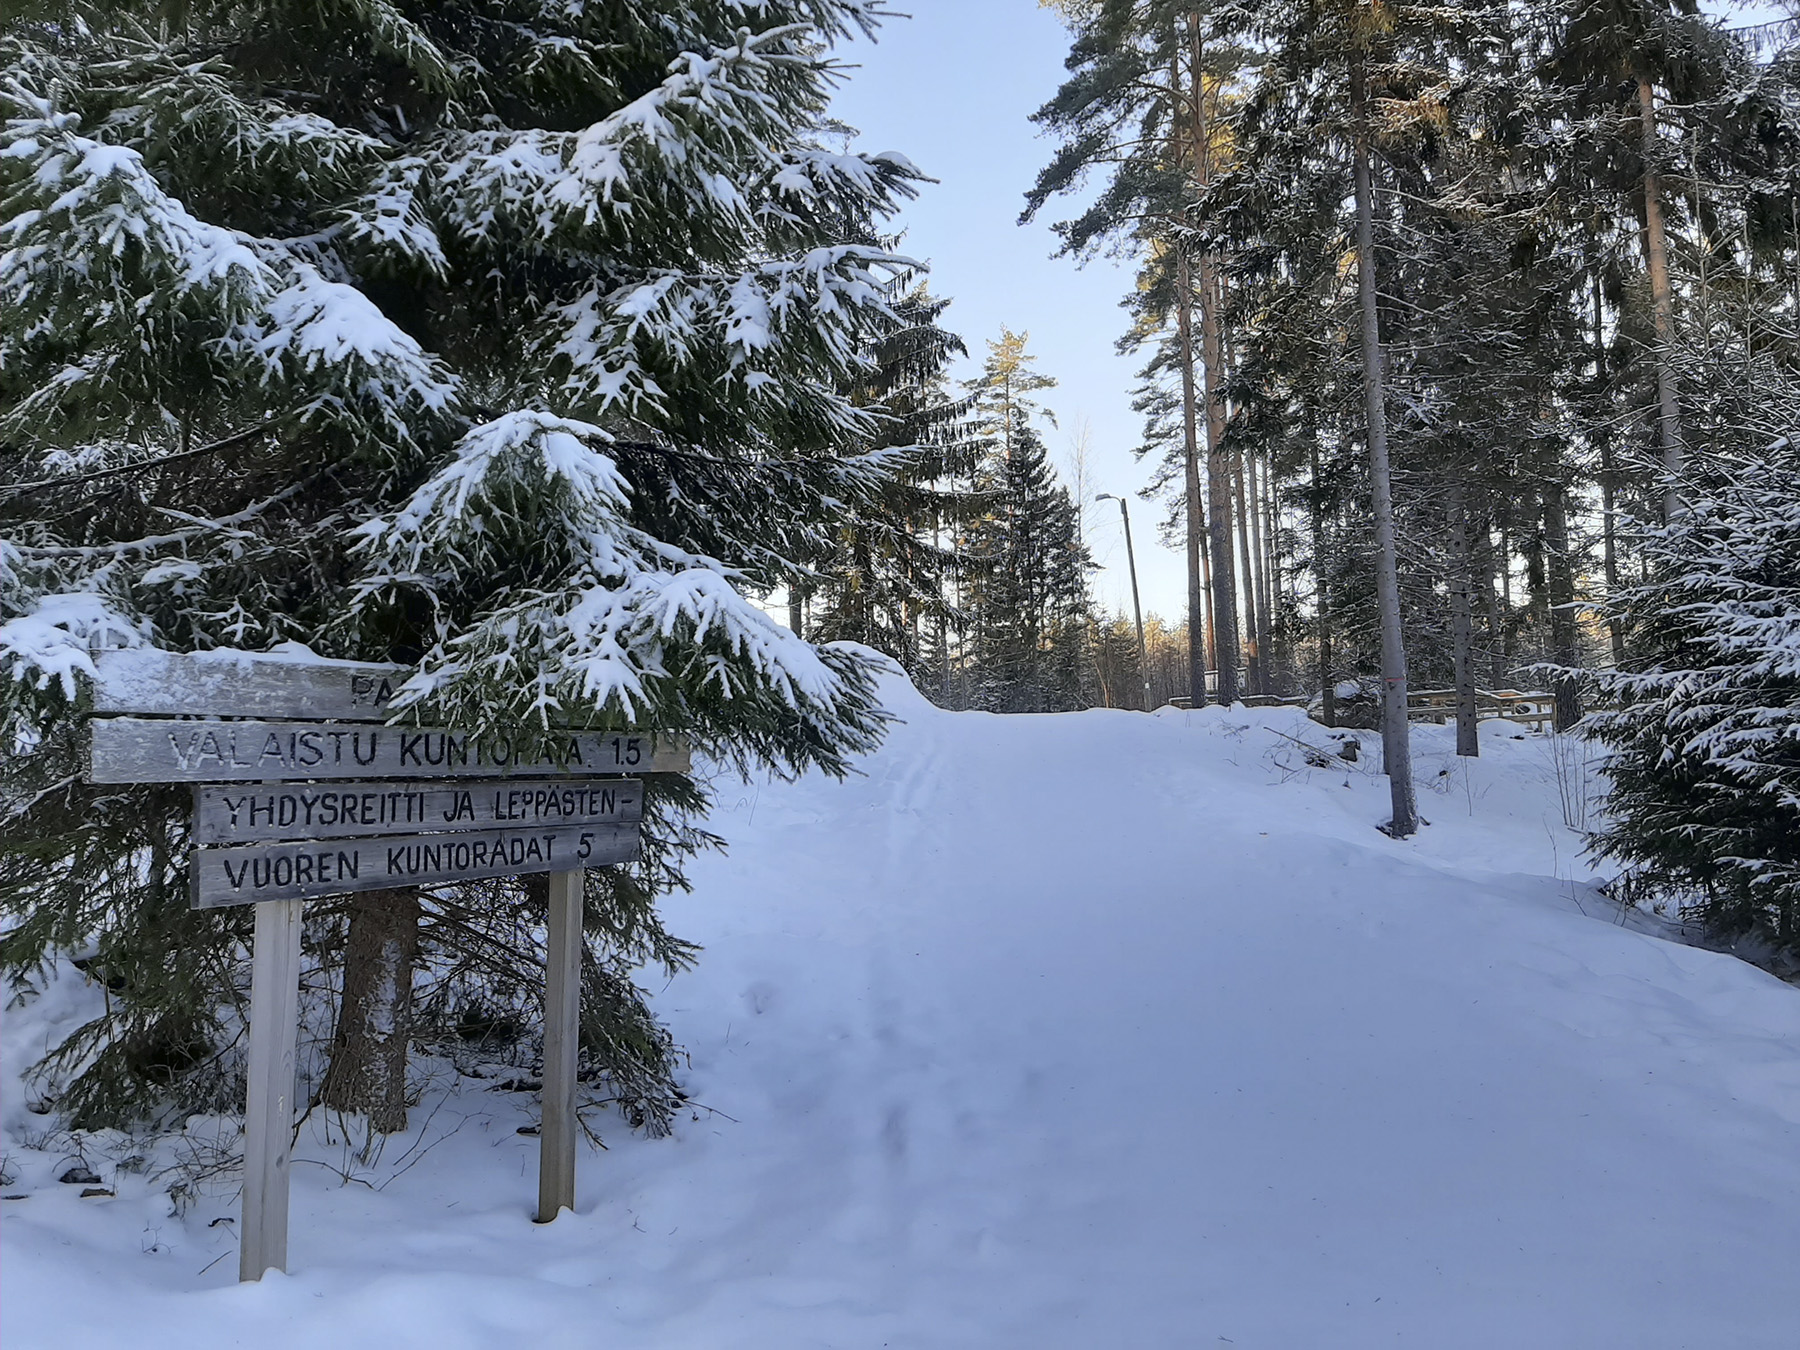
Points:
[[1073, 1031]]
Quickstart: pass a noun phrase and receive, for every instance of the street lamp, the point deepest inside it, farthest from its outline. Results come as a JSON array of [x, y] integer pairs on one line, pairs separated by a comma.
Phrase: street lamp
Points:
[[1137, 608]]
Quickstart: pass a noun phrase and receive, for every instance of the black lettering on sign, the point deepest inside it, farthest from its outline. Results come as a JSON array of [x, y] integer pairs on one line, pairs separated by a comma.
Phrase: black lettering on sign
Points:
[[133, 750], [244, 873], [371, 691], [280, 811]]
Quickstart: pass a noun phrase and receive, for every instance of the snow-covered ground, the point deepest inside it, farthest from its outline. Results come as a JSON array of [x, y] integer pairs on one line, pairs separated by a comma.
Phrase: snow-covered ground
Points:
[[1078, 1031]]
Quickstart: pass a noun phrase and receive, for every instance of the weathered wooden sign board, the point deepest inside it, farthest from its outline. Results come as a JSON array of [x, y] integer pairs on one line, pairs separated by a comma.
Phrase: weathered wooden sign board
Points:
[[209, 684], [309, 869], [138, 750], [303, 791], [242, 815]]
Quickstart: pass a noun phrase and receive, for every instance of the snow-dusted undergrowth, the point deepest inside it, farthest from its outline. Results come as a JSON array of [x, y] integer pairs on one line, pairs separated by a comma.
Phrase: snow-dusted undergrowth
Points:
[[1084, 1030]]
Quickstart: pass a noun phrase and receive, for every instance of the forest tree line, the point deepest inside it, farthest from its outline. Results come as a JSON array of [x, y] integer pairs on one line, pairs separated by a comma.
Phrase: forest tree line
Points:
[[1470, 340]]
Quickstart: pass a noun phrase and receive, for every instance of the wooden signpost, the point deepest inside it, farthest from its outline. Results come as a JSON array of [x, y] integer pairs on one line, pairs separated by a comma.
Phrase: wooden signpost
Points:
[[303, 791]]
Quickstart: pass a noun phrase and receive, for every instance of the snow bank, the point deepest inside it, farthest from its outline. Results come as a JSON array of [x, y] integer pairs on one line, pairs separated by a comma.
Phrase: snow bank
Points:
[[1082, 1030]]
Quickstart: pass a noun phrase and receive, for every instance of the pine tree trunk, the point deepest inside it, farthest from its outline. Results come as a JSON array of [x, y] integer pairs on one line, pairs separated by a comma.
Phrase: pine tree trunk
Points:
[[1212, 647], [1396, 733], [1609, 539], [1268, 575], [1252, 611], [1662, 301], [796, 610], [1321, 565], [1218, 469], [1198, 628], [1462, 622], [1218, 476], [1561, 568], [1257, 601], [367, 1073]]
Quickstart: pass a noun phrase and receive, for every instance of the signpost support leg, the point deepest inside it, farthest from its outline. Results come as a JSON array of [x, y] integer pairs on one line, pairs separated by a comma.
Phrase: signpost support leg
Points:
[[562, 1033], [269, 1093]]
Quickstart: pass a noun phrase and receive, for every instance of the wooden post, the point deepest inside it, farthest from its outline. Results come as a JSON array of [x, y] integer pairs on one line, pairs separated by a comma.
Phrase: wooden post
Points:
[[269, 1091], [562, 1035]]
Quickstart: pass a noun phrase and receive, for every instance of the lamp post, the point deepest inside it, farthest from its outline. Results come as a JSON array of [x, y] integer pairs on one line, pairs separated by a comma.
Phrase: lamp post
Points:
[[1137, 608]]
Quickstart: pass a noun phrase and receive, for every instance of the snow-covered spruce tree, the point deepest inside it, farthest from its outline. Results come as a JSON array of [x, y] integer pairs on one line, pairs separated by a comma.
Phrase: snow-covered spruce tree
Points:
[[505, 339], [888, 579], [1703, 806], [1026, 567]]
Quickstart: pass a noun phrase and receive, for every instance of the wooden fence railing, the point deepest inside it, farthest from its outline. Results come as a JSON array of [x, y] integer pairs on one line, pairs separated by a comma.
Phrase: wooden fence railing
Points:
[[1526, 707], [1533, 709]]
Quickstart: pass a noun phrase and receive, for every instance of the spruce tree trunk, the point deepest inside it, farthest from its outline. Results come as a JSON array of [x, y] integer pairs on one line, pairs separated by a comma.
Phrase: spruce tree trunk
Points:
[[1199, 629], [1490, 601], [1537, 574], [367, 1073], [1462, 622], [1615, 630], [1561, 578], [1509, 627], [1396, 734], [1662, 301]]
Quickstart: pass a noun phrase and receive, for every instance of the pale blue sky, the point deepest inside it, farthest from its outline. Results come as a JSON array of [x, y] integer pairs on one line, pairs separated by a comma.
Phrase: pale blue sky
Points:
[[952, 88]]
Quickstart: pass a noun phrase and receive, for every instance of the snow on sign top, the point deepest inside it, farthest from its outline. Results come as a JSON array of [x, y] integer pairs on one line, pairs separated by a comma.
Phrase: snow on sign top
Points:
[[243, 684], [294, 698]]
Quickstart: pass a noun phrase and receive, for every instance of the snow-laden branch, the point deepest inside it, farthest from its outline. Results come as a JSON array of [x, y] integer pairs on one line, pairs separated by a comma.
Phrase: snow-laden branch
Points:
[[807, 317], [88, 222], [54, 638], [618, 623]]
